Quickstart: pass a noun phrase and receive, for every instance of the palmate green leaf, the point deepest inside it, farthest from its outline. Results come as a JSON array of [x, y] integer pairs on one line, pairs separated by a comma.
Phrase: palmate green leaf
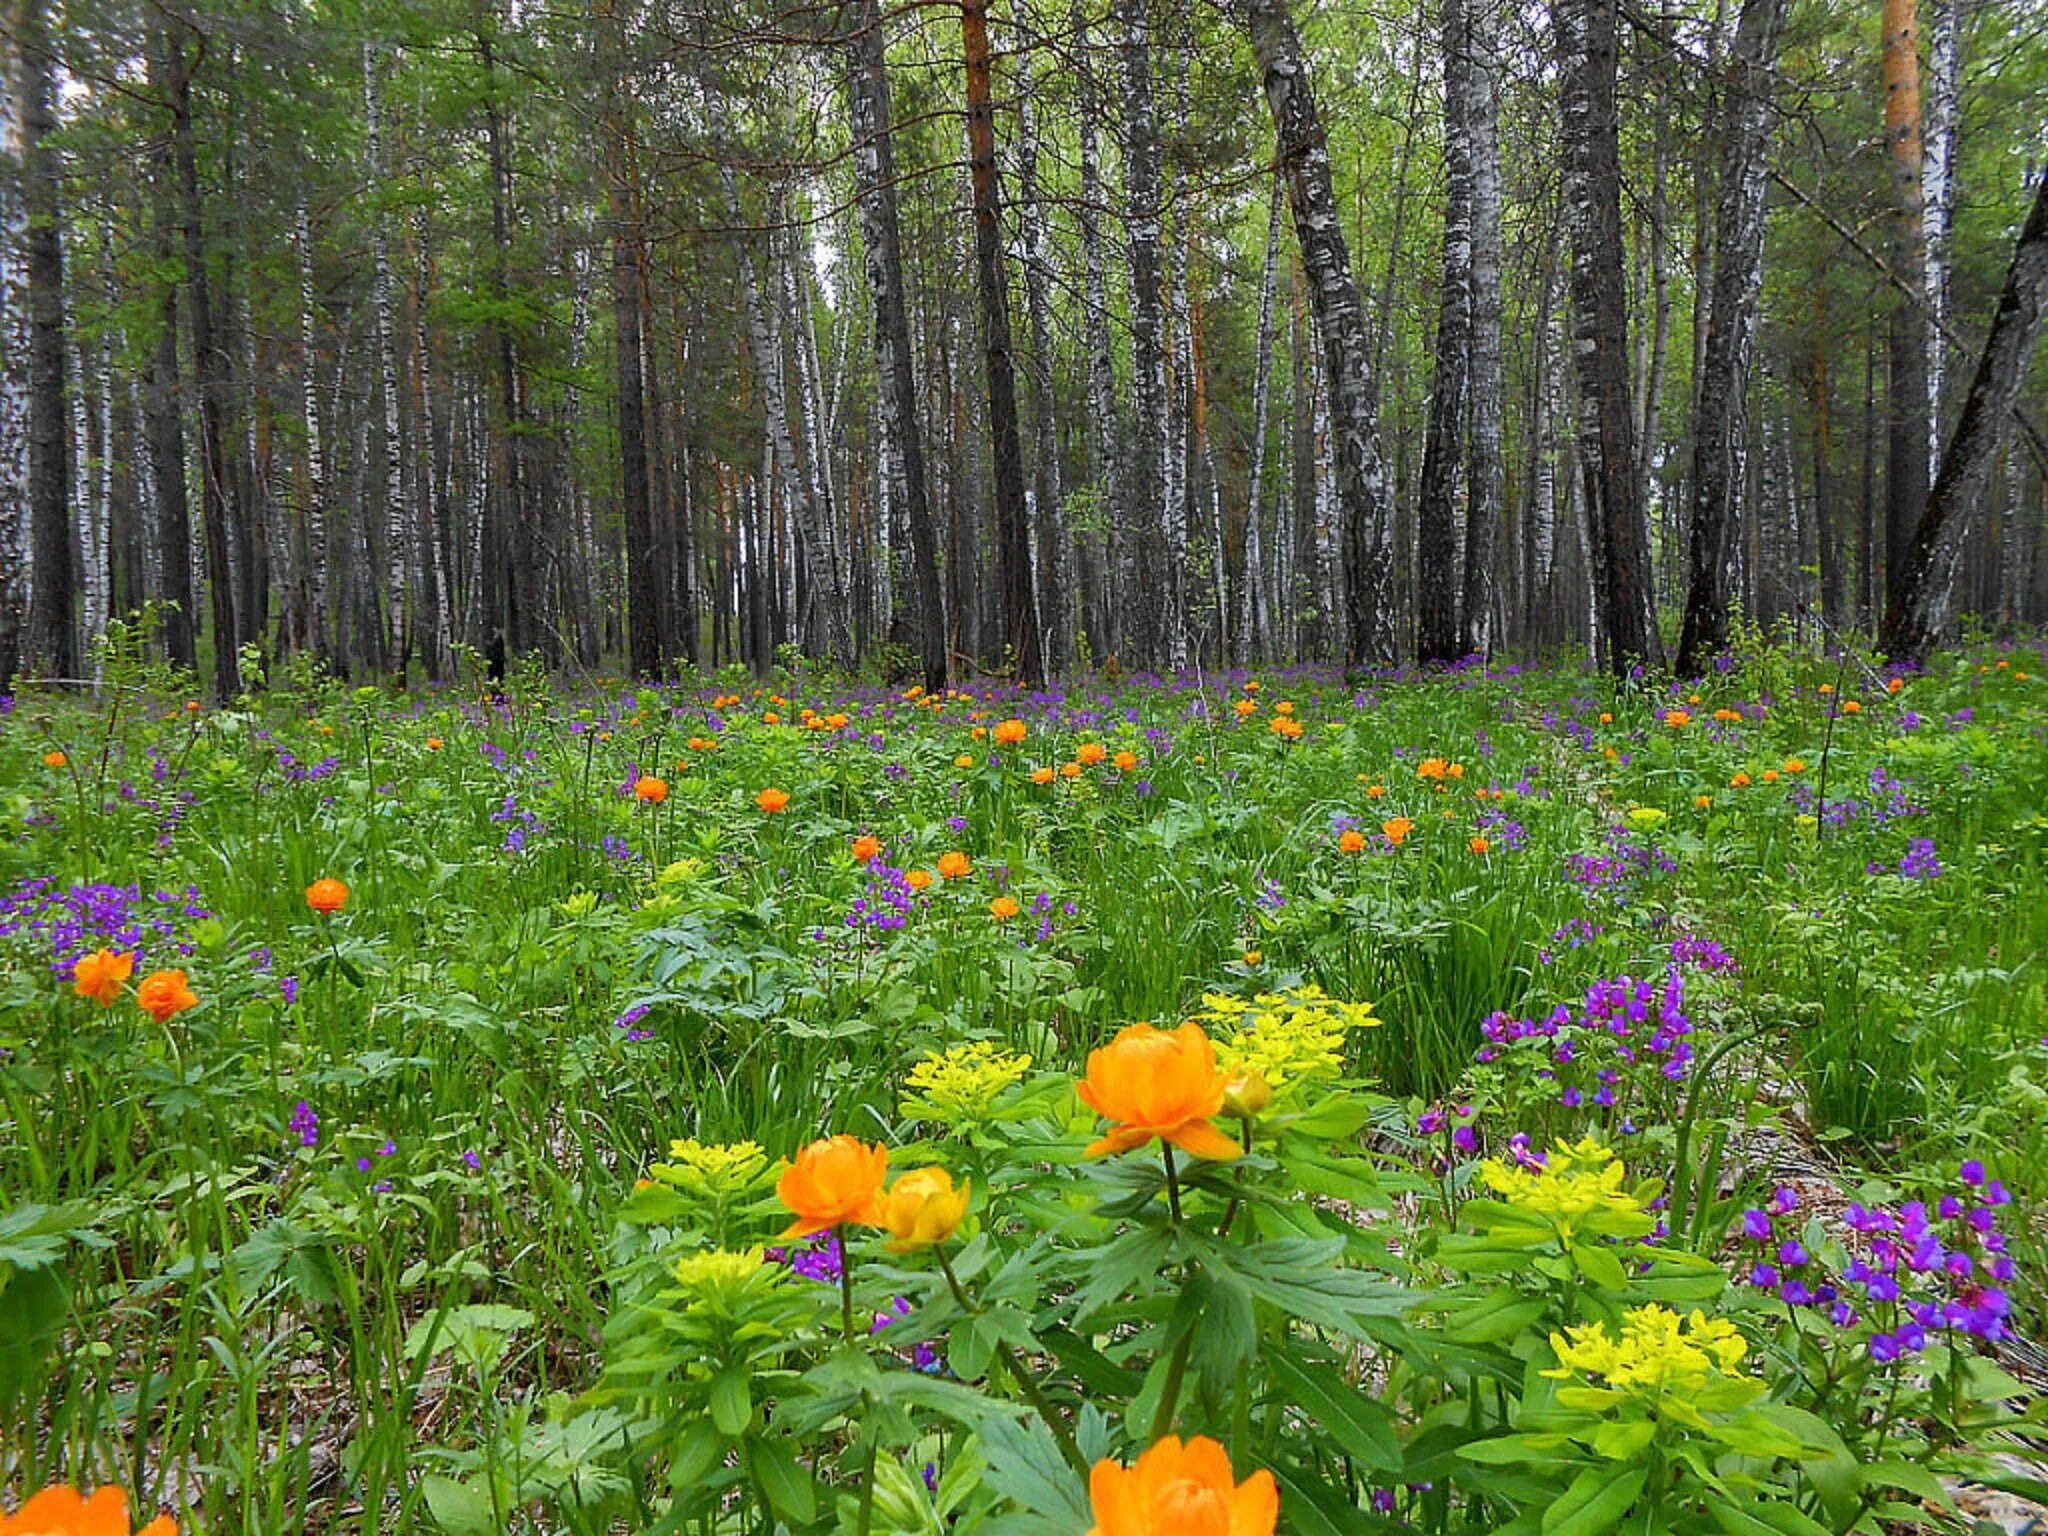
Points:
[[1305, 1279], [1117, 1265], [1596, 1501], [1362, 1426], [1025, 1467], [460, 1508]]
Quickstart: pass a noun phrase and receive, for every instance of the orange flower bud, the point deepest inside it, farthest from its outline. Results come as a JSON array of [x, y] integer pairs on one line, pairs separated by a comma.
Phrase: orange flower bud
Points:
[[922, 1208]]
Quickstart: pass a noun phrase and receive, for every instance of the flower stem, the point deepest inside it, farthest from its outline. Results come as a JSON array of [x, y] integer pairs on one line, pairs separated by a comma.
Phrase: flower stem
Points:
[[1172, 1182], [845, 1282], [1026, 1383]]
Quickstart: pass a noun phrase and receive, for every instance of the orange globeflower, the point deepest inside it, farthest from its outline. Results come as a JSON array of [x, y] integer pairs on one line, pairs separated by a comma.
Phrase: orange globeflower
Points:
[[917, 879], [1177, 1489], [326, 895], [773, 802], [1794, 765], [435, 743], [649, 790], [1375, 791], [1740, 781], [1351, 840], [1091, 753], [101, 975], [1703, 802], [1009, 733], [1431, 768], [955, 865], [1851, 707], [866, 848], [1003, 908], [1479, 845], [1770, 775], [963, 761], [1152, 1082], [1397, 830], [1895, 685], [833, 1181], [1125, 761], [54, 759], [1286, 727], [1245, 706], [1070, 770], [1677, 719], [164, 993], [922, 1208], [62, 1511], [1042, 775]]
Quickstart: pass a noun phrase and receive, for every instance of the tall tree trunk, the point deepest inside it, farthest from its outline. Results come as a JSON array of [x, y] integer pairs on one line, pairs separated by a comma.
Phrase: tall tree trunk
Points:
[[1919, 612], [1013, 532], [1104, 437], [311, 596], [1906, 454], [511, 575], [15, 386], [1484, 473], [53, 625], [1254, 624], [430, 511], [874, 168], [646, 644], [1048, 493], [1163, 631], [1720, 420], [1437, 575], [1590, 49], [1938, 161], [391, 485], [1364, 505]]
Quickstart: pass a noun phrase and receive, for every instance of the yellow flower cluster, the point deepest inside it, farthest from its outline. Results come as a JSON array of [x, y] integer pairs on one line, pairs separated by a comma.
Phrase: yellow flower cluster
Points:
[[1576, 1181], [962, 1082], [1658, 1352], [1284, 1037], [717, 1279], [713, 1172]]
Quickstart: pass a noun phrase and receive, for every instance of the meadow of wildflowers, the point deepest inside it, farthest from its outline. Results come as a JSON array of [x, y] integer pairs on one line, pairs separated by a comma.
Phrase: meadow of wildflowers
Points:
[[1488, 1101]]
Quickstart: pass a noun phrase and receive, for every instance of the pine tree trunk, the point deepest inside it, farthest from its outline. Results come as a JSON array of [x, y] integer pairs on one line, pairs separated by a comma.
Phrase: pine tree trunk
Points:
[[1364, 505], [1013, 531], [1906, 455], [874, 163], [310, 595], [1719, 425], [391, 492], [1919, 613], [1588, 44]]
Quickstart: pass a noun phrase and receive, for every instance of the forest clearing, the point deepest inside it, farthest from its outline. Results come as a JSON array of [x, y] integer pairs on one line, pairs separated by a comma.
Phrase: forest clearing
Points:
[[1023, 769]]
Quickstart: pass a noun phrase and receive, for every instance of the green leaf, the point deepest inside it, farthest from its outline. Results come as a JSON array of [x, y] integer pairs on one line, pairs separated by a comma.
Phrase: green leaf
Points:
[[784, 1479], [732, 1408], [1621, 1439], [1362, 1426], [1025, 1467], [461, 1509], [1600, 1266], [1595, 1502]]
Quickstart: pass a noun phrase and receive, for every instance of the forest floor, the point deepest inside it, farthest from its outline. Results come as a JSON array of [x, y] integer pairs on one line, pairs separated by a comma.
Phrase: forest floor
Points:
[[397, 1098]]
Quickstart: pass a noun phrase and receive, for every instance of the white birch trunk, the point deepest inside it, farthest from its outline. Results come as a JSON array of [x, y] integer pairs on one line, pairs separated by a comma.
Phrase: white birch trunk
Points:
[[397, 525]]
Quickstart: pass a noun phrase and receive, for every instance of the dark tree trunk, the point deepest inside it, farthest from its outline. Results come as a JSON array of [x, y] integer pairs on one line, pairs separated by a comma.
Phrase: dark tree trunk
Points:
[[1013, 533], [1607, 448], [1436, 556], [52, 622], [510, 577], [1720, 418], [1919, 612], [1362, 497], [1484, 476], [874, 169], [646, 642], [207, 368]]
